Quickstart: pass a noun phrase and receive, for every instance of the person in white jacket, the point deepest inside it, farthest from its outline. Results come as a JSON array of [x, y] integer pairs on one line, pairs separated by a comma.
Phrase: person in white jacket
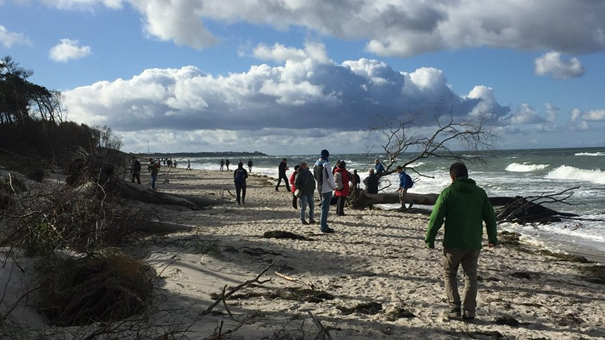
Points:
[[325, 185]]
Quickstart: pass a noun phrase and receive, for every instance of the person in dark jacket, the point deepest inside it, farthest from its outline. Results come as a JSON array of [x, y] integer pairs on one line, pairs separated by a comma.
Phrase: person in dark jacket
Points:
[[344, 176], [136, 170], [305, 182], [371, 182], [281, 170], [464, 207], [250, 164], [239, 177]]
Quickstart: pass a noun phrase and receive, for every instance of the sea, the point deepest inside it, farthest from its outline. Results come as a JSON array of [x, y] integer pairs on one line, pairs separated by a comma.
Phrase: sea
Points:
[[576, 174]]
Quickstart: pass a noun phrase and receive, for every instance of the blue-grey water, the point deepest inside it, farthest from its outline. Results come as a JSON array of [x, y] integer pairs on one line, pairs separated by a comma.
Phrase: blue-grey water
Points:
[[503, 173]]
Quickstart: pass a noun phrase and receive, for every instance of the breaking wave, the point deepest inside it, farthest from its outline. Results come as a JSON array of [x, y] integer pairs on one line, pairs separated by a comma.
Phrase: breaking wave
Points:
[[575, 174], [525, 167]]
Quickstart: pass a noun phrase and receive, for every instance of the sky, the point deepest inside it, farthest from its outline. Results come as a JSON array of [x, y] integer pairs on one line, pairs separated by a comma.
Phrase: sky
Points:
[[297, 76]]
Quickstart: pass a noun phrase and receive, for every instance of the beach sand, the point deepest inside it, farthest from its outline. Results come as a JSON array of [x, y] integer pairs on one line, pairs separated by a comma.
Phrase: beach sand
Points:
[[372, 279], [376, 277]]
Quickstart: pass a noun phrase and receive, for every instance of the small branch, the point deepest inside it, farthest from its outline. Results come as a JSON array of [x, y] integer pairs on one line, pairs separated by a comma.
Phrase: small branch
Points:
[[322, 329], [235, 289]]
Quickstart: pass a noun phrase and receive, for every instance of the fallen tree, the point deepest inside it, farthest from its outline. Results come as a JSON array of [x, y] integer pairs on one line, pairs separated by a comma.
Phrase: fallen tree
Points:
[[517, 209]]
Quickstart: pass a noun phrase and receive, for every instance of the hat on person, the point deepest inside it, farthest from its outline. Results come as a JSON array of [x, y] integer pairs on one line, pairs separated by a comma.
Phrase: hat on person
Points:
[[325, 153]]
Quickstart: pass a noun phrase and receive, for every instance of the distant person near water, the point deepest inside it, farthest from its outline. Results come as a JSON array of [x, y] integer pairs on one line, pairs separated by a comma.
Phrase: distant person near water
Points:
[[227, 163], [136, 170], [405, 183], [250, 164], [153, 168], [281, 170], [239, 177], [325, 185], [464, 206], [222, 164], [379, 167], [188, 164], [293, 186], [342, 177], [305, 182]]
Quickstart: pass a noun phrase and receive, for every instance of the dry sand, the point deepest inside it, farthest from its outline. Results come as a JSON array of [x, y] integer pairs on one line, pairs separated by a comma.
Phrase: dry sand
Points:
[[373, 257], [377, 258]]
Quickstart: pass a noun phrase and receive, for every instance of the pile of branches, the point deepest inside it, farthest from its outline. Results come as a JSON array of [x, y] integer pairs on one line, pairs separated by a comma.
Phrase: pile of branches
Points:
[[101, 287]]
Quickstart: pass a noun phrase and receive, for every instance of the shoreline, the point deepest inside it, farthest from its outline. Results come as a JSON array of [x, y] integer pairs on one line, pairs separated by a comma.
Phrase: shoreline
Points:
[[375, 256]]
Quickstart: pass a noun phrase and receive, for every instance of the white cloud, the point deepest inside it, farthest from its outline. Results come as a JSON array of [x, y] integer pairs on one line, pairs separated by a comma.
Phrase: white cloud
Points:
[[281, 53], [391, 27], [594, 115], [552, 112], [551, 63], [8, 38], [305, 94], [526, 114], [68, 49], [575, 114]]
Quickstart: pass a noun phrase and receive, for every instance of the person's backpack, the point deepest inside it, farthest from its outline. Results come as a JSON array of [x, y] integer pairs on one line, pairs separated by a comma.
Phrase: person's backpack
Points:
[[408, 181], [338, 180], [318, 171], [240, 176]]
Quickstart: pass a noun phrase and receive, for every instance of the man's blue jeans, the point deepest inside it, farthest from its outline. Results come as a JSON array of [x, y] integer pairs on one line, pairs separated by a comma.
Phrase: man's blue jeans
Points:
[[153, 179], [326, 198], [304, 201]]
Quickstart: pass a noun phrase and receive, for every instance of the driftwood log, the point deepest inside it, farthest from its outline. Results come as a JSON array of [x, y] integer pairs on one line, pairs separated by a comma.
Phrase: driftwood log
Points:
[[366, 199], [509, 209], [137, 192]]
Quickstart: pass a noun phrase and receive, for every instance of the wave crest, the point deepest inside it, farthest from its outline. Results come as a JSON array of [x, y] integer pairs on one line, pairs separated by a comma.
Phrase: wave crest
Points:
[[590, 154], [525, 167], [575, 174]]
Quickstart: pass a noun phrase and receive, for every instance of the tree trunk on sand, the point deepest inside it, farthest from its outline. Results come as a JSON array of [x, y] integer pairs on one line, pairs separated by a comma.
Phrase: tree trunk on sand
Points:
[[366, 199], [137, 192]]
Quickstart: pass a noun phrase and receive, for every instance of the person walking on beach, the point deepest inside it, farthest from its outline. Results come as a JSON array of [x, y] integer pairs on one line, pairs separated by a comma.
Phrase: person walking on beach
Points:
[[281, 170], [342, 177], [405, 182], [239, 177], [136, 170], [305, 183], [222, 164], [250, 164], [227, 163], [153, 168], [325, 185], [464, 206], [188, 164], [293, 186]]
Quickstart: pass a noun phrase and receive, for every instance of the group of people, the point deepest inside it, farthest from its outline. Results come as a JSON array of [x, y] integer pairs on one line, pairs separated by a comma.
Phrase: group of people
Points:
[[463, 207], [225, 163]]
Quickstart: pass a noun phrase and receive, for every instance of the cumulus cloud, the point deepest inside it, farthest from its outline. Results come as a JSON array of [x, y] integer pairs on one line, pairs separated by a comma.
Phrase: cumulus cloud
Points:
[[68, 49], [392, 28], [552, 112], [281, 53], [551, 63], [8, 38], [306, 94], [526, 114], [594, 115]]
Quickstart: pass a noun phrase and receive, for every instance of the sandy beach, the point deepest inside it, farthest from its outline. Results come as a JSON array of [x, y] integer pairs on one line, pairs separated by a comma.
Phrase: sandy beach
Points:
[[372, 279]]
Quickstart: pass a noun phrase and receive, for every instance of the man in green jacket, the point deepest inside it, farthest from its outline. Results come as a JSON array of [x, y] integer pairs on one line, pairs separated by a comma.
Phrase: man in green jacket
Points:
[[464, 206]]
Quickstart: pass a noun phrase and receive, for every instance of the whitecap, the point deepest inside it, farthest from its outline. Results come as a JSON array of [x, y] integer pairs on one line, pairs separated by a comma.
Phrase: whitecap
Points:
[[525, 167], [574, 174]]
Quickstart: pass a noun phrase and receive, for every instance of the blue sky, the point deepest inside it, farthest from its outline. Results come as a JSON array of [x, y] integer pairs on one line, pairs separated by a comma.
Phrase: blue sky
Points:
[[297, 76]]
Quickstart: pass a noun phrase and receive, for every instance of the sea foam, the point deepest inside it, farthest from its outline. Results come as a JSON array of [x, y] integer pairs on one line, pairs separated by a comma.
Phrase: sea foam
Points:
[[575, 174], [525, 167], [590, 154]]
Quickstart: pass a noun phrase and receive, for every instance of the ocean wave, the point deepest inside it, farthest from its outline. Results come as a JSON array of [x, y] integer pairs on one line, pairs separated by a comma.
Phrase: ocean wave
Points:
[[590, 154], [575, 174], [525, 167]]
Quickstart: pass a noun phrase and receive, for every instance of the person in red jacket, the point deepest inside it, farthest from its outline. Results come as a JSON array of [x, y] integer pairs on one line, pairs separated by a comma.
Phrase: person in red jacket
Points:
[[342, 177], [293, 186]]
